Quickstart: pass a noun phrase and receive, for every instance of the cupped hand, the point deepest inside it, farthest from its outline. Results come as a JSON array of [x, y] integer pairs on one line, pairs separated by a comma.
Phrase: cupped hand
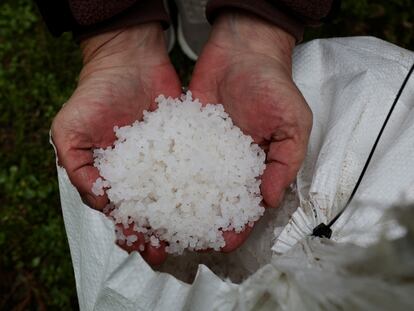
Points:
[[246, 66], [123, 72]]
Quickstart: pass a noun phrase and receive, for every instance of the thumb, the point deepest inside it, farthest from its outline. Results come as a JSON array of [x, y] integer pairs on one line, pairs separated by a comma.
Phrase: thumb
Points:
[[235, 240], [82, 174], [284, 159]]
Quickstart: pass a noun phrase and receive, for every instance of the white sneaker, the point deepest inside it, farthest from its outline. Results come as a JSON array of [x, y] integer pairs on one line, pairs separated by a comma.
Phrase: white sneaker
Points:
[[169, 33], [193, 27]]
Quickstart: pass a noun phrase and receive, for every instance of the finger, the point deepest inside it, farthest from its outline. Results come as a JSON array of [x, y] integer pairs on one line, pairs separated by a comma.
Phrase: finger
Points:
[[235, 240], [283, 162], [155, 256], [151, 254], [83, 179], [82, 174], [78, 162], [138, 245], [274, 183]]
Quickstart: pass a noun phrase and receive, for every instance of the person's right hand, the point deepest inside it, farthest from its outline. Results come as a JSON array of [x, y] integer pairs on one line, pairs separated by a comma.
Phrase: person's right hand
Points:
[[124, 71]]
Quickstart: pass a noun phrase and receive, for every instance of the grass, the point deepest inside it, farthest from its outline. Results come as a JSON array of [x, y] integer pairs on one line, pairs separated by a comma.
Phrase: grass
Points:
[[37, 74]]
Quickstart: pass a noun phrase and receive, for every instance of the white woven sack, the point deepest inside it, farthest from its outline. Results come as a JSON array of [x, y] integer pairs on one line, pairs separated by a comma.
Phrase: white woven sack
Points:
[[350, 84]]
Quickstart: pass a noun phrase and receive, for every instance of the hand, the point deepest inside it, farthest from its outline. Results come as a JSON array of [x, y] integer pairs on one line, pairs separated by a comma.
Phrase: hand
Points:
[[247, 66], [124, 71]]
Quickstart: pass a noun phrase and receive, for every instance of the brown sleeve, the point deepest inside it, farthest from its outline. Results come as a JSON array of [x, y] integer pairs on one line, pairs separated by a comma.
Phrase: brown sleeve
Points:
[[290, 15], [91, 17], [101, 16]]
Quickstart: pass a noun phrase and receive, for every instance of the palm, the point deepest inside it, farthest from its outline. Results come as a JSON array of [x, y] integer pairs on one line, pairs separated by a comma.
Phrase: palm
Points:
[[103, 99], [260, 97]]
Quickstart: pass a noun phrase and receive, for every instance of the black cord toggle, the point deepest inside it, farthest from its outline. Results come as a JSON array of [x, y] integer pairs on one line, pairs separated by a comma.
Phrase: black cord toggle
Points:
[[322, 231]]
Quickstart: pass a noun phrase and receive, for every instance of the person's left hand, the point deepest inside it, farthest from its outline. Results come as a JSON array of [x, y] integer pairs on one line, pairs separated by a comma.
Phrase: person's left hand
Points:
[[246, 66]]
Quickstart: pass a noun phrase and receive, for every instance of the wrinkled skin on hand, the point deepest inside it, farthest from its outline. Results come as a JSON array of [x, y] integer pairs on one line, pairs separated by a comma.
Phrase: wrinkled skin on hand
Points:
[[124, 71], [246, 66]]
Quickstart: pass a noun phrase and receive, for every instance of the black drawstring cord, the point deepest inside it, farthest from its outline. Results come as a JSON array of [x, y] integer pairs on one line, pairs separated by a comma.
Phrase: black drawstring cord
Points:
[[323, 230]]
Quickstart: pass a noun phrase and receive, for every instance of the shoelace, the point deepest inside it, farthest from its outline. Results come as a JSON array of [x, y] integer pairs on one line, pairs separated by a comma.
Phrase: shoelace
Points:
[[323, 230]]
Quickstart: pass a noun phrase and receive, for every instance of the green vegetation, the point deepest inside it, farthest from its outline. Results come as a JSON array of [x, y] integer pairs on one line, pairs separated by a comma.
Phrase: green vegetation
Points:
[[389, 20], [37, 74]]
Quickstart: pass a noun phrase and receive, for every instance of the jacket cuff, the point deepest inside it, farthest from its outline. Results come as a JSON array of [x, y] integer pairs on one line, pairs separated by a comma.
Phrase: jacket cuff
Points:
[[140, 13], [88, 18], [262, 9]]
